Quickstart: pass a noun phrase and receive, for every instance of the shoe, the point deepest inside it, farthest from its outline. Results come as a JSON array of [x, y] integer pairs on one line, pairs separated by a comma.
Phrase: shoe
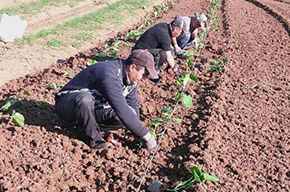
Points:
[[100, 145]]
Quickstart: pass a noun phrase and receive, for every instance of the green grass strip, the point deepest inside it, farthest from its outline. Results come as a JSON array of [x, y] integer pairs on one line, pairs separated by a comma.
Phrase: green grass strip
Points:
[[35, 7], [112, 14]]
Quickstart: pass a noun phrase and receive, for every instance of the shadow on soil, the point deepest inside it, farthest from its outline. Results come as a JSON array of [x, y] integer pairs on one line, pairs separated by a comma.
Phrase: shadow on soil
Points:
[[272, 13], [43, 117]]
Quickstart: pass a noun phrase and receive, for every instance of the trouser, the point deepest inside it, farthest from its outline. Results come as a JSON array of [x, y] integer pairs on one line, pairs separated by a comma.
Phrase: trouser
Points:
[[185, 40], [159, 58], [80, 106]]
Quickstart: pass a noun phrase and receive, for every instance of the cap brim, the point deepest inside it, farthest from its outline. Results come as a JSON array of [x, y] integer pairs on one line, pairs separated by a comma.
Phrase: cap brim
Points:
[[152, 73]]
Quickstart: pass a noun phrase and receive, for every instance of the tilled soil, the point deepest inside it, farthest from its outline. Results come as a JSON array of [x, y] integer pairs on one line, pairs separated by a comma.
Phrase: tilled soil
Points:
[[237, 129]]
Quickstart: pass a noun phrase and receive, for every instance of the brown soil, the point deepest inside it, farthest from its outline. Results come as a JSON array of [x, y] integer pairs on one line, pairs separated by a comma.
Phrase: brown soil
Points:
[[237, 129]]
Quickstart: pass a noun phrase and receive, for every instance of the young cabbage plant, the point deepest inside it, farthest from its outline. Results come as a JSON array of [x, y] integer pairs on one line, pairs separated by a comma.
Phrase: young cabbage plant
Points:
[[68, 74], [186, 78], [133, 34], [26, 93], [8, 104], [17, 118], [186, 99], [189, 53], [216, 65], [111, 50], [198, 176], [160, 121], [145, 24]]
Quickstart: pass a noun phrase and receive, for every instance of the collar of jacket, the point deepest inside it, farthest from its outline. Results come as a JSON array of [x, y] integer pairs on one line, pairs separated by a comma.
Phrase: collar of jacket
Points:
[[126, 80]]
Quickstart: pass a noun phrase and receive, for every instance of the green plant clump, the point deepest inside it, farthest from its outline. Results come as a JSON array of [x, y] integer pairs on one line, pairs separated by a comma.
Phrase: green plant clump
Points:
[[197, 177]]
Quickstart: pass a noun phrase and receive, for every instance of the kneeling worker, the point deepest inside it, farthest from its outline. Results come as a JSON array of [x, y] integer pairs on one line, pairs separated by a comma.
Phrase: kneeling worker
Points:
[[105, 94]]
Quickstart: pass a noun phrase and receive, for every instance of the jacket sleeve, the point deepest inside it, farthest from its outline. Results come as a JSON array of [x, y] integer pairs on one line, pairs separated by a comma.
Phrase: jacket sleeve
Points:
[[132, 100], [111, 89]]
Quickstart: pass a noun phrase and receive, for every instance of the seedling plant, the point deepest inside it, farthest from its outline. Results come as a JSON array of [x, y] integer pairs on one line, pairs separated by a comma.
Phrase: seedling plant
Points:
[[187, 77], [198, 176], [167, 119], [217, 65], [17, 118]]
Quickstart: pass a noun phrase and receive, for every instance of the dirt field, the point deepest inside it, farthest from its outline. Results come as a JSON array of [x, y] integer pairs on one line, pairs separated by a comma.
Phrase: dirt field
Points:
[[237, 129], [20, 59]]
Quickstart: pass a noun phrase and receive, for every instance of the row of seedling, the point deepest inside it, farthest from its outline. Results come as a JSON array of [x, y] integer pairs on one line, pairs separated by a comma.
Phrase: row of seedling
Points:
[[187, 78], [16, 117]]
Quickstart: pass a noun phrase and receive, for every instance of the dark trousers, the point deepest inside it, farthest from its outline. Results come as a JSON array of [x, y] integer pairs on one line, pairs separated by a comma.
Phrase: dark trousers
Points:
[[159, 58], [80, 106]]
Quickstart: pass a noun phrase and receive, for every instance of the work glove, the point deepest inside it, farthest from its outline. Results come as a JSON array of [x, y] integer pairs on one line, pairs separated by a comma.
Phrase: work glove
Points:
[[176, 72], [151, 143], [177, 49], [195, 41]]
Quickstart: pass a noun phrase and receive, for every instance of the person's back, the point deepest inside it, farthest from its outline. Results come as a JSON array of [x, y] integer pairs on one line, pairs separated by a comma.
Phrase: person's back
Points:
[[158, 36], [91, 77]]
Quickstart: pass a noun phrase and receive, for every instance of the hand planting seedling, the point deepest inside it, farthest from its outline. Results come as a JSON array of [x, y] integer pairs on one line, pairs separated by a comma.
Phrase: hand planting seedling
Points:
[[197, 177], [142, 142]]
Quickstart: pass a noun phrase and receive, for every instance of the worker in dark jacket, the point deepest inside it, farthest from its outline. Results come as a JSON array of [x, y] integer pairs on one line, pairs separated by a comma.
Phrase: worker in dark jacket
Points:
[[157, 40], [106, 94]]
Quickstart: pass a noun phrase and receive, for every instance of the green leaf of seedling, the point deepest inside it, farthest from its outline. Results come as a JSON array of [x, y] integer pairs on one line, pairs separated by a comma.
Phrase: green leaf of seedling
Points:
[[208, 177], [180, 81], [183, 185], [101, 54], [195, 169], [214, 62], [187, 101], [43, 105], [188, 63], [114, 54], [152, 132], [53, 85], [178, 96], [224, 60], [8, 104], [176, 120], [188, 53], [92, 63], [186, 79], [26, 93], [196, 177], [165, 111], [17, 118], [156, 122], [218, 4], [193, 78]]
